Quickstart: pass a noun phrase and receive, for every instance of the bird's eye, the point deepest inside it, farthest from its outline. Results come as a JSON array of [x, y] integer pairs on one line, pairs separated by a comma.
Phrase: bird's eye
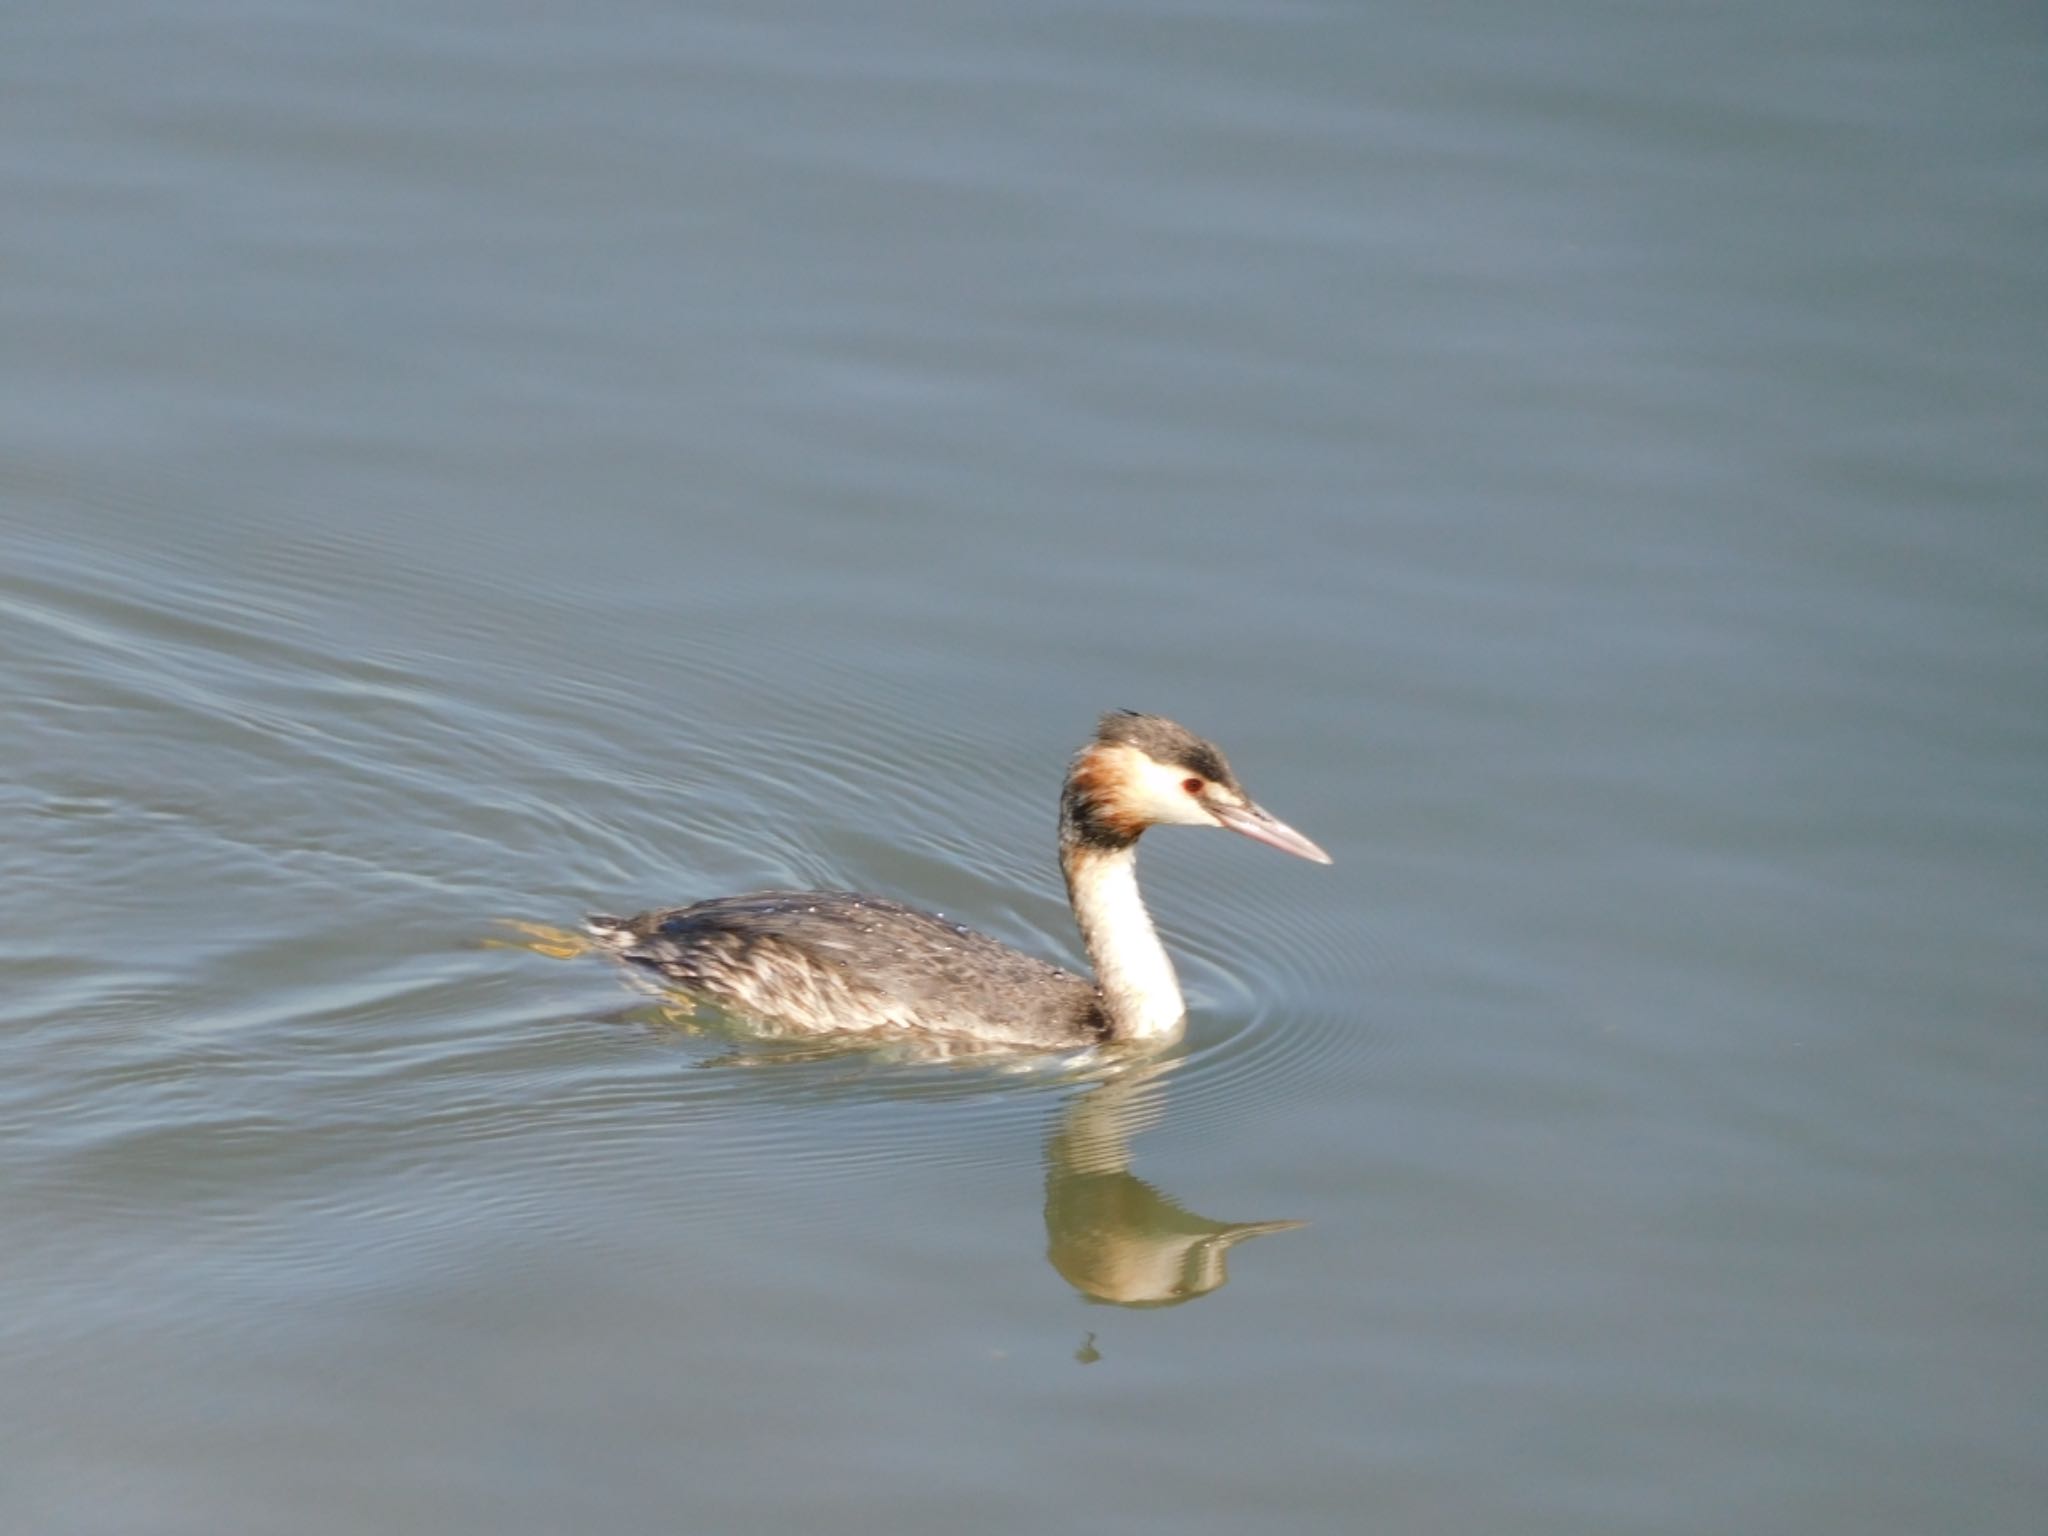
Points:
[[1193, 786]]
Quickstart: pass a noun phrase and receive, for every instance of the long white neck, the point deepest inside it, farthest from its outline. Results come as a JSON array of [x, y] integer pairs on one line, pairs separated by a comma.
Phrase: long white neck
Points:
[[1140, 993]]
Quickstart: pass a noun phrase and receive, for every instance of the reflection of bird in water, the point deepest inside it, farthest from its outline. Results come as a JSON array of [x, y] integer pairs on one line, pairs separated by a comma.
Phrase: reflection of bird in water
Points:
[[1112, 1236], [831, 962]]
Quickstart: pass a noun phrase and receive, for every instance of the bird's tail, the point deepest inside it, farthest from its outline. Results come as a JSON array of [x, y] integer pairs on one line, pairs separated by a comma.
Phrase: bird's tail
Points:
[[615, 931]]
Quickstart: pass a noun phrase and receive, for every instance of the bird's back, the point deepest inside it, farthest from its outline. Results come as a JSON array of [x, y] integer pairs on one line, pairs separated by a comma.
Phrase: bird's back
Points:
[[830, 962]]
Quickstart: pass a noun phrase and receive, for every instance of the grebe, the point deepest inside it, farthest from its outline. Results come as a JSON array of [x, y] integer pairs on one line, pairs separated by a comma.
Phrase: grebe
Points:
[[833, 962]]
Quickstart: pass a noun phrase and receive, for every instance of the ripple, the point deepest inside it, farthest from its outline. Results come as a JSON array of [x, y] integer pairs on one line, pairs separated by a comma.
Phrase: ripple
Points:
[[366, 1061]]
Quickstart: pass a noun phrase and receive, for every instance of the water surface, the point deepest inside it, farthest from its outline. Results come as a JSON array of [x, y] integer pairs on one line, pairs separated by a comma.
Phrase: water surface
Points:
[[1585, 467]]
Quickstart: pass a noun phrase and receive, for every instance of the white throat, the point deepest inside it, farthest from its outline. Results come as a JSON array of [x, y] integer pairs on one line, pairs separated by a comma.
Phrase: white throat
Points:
[[1140, 993]]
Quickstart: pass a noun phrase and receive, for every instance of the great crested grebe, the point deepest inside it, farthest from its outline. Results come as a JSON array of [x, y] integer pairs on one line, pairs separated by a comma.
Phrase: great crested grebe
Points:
[[833, 962]]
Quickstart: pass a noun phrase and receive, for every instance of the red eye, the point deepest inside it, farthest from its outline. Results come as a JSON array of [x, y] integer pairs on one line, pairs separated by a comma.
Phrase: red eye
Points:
[[1193, 786]]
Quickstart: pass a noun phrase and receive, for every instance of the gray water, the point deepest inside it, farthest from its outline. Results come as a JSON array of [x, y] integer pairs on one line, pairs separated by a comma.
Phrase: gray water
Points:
[[1586, 464]]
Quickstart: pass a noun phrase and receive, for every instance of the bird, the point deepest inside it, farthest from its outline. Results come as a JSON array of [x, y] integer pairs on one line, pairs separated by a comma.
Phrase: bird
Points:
[[816, 963]]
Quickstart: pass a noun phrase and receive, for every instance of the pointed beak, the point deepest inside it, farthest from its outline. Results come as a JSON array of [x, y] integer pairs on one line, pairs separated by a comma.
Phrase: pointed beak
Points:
[[1262, 826]]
